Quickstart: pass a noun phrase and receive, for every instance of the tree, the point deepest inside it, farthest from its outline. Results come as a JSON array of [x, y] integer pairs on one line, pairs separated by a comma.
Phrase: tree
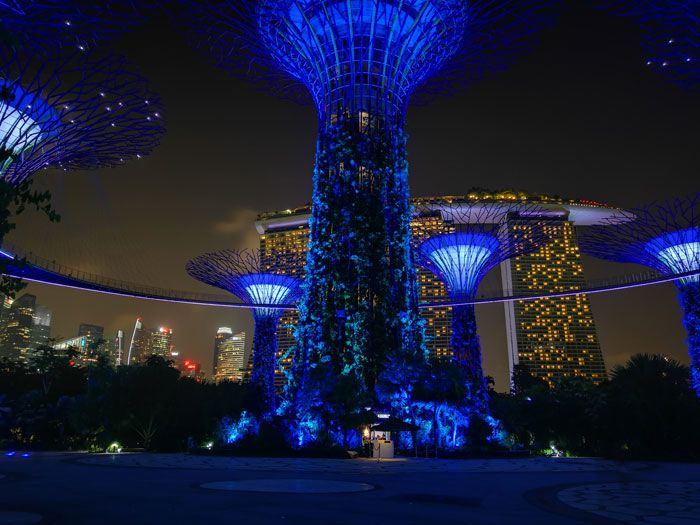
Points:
[[651, 409], [14, 200]]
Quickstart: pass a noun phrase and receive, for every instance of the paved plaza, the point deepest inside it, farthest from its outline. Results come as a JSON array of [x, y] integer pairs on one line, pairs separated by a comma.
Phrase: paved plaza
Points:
[[94, 489]]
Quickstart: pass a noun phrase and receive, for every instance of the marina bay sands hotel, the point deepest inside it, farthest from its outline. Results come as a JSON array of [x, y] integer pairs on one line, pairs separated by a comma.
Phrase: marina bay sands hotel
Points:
[[551, 338]]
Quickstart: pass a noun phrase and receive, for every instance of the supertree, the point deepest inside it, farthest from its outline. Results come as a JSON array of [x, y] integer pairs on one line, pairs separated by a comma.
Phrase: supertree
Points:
[[72, 111], [664, 236], [51, 23], [360, 61], [475, 240], [671, 36], [247, 275], [67, 112]]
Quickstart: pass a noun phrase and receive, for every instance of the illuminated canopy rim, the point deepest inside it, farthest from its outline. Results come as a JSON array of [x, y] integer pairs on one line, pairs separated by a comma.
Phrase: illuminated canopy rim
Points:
[[245, 274], [25, 118], [495, 33], [382, 48], [73, 110], [679, 251], [664, 235], [460, 259]]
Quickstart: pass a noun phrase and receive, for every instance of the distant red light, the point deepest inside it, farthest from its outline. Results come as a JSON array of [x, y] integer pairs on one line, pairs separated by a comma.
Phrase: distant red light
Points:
[[71, 363]]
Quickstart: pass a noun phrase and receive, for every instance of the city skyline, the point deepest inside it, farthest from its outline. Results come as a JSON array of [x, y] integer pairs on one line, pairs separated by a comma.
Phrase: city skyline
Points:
[[520, 112]]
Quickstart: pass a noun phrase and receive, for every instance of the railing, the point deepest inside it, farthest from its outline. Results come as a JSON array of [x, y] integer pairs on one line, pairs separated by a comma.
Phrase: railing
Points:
[[99, 283]]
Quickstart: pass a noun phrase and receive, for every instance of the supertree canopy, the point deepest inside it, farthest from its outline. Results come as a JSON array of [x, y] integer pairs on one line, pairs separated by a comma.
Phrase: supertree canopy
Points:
[[360, 61], [49, 23], [72, 111], [671, 36], [477, 239], [664, 236], [246, 275]]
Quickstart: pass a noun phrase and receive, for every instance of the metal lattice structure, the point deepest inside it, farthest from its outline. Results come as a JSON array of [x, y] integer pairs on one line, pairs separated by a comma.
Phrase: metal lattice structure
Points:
[[245, 274], [249, 38], [664, 236], [73, 111], [670, 36], [76, 23], [476, 239]]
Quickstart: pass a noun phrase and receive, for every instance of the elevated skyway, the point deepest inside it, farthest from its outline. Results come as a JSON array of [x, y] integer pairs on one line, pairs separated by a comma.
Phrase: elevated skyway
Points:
[[33, 268]]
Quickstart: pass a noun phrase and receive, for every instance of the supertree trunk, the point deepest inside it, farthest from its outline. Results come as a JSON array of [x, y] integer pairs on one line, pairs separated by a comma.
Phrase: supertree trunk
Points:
[[689, 294], [265, 361], [467, 351], [360, 291]]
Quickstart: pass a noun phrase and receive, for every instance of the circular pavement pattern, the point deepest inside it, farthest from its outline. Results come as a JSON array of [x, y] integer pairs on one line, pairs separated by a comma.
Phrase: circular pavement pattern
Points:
[[297, 486], [18, 518], [662, 502]]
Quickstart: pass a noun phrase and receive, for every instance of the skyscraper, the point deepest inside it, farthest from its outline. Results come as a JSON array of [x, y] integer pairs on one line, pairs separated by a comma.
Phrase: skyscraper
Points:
[[229, 355], [93, 332], [140, 344], [41, 327], [18, 328], [284, 235], [551, 338], [161, 341]]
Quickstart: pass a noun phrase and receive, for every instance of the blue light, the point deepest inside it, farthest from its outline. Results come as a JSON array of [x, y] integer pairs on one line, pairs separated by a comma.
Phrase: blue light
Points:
[[461, 259], [402, 44], [678, 251], [10, 454], [25, 454]]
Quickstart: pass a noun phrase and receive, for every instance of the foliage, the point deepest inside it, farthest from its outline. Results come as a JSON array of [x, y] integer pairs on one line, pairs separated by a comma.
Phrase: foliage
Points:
[[689, 295], [147, 405], [359, 303], [14, 200], [647, 409]]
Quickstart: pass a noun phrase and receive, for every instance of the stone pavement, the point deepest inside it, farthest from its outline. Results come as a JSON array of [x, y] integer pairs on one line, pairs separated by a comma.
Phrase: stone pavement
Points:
[[134, 489], [359, 465], [670, 502]]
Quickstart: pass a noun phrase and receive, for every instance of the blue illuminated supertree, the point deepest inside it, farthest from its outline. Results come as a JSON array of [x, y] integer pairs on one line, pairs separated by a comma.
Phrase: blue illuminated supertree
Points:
[[51, 23], [671, 36], [248, 276], [664, 236], [360, 61], [72, 111], [475, 241]]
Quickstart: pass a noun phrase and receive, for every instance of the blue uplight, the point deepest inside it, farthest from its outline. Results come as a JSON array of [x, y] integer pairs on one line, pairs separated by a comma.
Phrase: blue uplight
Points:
[[269, 289], [678, 251], [461, 260], [358, 53], [10, 454]]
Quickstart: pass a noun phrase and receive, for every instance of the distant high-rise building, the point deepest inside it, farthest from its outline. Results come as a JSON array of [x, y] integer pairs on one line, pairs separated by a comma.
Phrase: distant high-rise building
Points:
[[41, 327], [118, 349], [81, 346], [161, 341], [17, 336], [191, 368], [556, 337], [93, 332], [229, 355], [140, 344], [4, 313]]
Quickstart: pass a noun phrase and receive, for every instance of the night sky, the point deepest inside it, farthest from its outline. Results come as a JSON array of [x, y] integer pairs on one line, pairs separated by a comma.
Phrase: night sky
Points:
[[580, 116]]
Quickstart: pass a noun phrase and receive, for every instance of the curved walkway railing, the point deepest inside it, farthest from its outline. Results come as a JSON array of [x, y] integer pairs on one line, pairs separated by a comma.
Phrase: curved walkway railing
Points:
[[31, 267]]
